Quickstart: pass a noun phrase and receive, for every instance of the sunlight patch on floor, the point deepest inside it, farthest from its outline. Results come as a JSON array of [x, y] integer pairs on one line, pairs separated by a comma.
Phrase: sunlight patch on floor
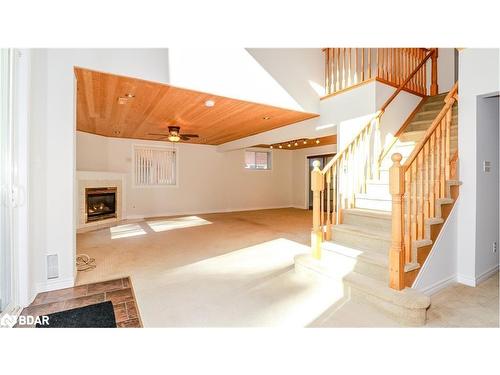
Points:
[[252, 286], [127, 230], [176, 223]]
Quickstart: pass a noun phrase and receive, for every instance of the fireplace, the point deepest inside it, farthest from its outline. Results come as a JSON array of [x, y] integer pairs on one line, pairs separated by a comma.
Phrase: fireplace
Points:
[[100, 203]]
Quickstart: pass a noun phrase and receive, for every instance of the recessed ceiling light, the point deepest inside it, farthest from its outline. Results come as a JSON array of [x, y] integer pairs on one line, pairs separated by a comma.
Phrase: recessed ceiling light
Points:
[[317, 141], [281, 146], [296, 144], [305, 142], [271, 146], [289, 145], [266, 118], [209, 103], [129, 95]]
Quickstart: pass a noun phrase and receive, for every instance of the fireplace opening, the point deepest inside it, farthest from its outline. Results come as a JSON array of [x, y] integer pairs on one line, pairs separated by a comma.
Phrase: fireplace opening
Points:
[[101, 203]]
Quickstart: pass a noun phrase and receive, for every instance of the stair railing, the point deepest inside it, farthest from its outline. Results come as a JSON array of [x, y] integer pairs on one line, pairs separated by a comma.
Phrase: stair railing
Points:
[[348, 67], [415, 187], [346, 174]]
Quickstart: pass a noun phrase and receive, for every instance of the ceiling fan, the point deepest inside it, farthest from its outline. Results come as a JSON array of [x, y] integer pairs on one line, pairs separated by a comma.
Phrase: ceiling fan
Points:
[[174, 134]]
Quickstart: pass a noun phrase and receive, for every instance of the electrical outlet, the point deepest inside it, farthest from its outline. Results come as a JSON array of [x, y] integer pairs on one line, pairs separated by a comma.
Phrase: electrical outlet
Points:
[[495, 247]]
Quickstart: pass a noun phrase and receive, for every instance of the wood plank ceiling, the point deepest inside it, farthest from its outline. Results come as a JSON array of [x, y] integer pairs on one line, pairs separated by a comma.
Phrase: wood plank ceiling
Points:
[[103, 108]]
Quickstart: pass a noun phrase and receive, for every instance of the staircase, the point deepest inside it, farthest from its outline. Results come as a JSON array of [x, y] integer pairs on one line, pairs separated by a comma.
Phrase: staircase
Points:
[[369, 247]]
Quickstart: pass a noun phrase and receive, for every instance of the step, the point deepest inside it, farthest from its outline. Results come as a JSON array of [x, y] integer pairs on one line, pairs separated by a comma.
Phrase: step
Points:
[[377, 187], [363, 238], [368, 218], [425, 124], [407, 306], [412, 136], [381, 202], [349, 259]]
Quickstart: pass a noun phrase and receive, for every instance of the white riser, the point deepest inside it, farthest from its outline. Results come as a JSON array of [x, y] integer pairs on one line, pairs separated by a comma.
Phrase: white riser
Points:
[[377, 189], [358, 265], [373, 204], [357, 241]]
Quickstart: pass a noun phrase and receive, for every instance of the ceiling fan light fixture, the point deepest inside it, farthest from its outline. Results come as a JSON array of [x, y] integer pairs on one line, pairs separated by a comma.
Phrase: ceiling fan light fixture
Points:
[[209, 103], [174, 138], [266, 118]]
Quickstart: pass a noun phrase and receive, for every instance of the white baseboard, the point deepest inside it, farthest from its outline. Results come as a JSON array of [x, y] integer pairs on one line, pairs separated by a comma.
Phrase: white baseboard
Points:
[[486, 275], [55, 284], [205, 212], [466, 280], [437, 286]]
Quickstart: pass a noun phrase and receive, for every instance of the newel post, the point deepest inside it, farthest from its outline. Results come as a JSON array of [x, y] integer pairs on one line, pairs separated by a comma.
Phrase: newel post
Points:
[[396, 253], [434, 72], [317, 186]]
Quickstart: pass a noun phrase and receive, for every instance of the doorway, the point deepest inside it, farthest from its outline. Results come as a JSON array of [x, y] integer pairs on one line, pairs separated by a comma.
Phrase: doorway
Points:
[[323, 160]]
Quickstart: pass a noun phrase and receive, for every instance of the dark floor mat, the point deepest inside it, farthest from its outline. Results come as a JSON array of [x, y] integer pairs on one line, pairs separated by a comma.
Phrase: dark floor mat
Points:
[[100, 315]]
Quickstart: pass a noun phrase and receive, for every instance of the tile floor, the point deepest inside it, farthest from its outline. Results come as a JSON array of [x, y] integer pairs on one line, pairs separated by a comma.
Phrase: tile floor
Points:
[[118, 291]]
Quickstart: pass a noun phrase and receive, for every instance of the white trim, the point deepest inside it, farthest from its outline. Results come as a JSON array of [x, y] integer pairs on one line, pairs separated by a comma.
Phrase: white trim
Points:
[[438, 285], [55, 285], [486, 275], [470, 281]]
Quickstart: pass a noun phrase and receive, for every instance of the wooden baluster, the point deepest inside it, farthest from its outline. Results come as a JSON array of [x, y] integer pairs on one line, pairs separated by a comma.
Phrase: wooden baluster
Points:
[[442, 172], [327, 72], [337, 85], [420, 182], [362, 64], [378, 61], [448, 140], [432, 174], [355, 76], [328, 234], [334, 196], [317, 186], [413, 206], [426, 181], [438, 163], [424, 77], [396, 253], [343, 67], [407, 240], [397, 65], [389, 68], [370, 63], [349, 81], [434, 72]]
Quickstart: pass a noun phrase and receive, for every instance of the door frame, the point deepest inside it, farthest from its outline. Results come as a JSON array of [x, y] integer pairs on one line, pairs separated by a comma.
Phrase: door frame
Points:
[[307, 177]]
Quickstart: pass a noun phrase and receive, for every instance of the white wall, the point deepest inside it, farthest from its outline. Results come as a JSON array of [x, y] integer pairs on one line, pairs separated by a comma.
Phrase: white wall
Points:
[[209, 181], [478, 75], [287, 78], [440, 268], [52, 146]]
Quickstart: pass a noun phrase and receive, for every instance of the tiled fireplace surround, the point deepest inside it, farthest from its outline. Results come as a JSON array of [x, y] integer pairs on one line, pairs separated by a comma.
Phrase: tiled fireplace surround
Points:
[[90, 179]]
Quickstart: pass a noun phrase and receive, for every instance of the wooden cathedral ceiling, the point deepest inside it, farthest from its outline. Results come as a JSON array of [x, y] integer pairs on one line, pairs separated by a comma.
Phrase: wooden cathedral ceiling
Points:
[[155, 106]]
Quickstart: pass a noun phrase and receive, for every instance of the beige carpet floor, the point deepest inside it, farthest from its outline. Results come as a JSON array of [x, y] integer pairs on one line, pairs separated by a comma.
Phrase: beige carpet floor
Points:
[[236, 269]]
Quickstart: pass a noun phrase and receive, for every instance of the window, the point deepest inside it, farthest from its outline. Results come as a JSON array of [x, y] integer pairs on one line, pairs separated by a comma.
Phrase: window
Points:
[[257, 160], [155, 166]]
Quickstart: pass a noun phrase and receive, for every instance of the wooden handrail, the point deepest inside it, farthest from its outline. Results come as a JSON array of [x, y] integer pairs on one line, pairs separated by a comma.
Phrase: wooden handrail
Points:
[[400, 88], [449, 100]]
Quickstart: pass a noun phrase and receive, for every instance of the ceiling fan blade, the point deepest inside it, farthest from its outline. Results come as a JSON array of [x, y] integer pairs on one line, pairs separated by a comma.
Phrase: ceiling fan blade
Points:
[[164, 134], [190, 135]]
